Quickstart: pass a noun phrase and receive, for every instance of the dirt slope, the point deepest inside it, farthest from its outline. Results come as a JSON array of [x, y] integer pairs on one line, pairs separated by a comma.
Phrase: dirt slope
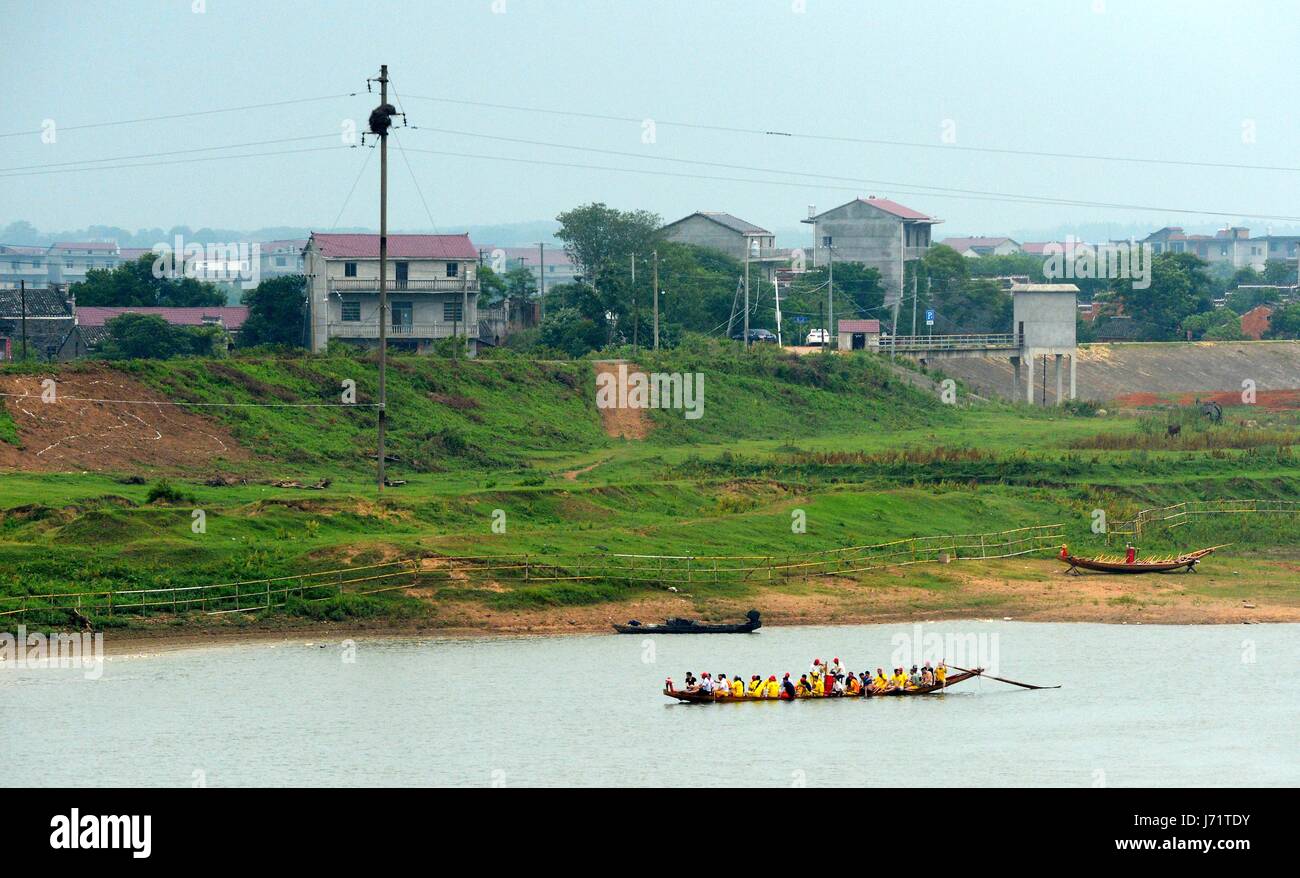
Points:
[[1115, 371], [622, 423], [72, 434]]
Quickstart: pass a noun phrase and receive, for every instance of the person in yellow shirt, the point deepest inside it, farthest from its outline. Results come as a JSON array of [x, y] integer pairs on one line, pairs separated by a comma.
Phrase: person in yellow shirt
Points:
[[756, 686], [852, 686], [737, 686], [773, 688], [804, 688], [941, 673], [881, 682], [899, 680]]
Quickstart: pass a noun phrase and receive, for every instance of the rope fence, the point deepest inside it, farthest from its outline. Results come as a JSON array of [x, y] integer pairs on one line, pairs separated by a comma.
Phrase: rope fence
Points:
[[256, 595]]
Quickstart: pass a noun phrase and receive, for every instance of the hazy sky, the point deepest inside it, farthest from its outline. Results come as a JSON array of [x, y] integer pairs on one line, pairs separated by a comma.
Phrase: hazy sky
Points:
[[1191, 81]]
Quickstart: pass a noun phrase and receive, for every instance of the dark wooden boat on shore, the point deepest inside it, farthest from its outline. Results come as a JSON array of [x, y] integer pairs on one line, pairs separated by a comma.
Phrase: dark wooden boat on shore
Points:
[[936, 689], [690, 626], [1117, 564]]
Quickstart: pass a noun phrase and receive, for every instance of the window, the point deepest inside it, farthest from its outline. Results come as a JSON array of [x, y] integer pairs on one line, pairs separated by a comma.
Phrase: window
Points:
[[349, 269], [403, 273], [280, 261], [452, 313], [453, 269], [351, 312]]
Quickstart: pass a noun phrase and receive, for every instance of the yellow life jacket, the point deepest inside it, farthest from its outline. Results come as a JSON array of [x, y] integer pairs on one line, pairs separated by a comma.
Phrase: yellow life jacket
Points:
[[755, 687], [773, 689], [881, 682], [940, 673], [819, 687], [737, 687]]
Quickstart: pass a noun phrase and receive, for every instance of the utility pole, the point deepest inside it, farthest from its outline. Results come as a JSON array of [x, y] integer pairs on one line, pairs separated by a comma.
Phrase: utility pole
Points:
[[902, 272], [655, 284], [915, 271], [380, 120], [541, 278], [634, 311], [746, 336], [22, 291], [833, 338]]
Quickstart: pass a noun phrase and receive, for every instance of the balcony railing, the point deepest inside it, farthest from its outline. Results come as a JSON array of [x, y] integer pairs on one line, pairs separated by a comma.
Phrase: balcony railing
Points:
[[422, 285], [370, 329]]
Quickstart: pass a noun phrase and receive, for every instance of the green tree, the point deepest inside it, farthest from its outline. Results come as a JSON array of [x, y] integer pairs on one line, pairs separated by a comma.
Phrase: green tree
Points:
[[1179, 288], [276, 312], [1278, 273], [148, 336], [134, 284], [1219, 324], [1284, 322], [569, 330]]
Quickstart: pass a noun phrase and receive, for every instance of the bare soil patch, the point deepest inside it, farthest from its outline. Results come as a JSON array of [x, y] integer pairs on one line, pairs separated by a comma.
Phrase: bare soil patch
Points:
[[622, 423], [72, 434]]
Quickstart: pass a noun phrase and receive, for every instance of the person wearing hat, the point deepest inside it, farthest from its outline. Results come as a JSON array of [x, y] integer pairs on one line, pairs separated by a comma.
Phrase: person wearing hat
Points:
[[706, 684], [805, 688], [772, 690], [815, 675], [755, 686]]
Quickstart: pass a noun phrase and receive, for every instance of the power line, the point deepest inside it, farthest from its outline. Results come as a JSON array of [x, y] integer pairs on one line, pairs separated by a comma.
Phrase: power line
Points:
[[149, 155], [1007, 198], [432, 225], [183, 115], [365, 164], [864, 140], [210, 158]]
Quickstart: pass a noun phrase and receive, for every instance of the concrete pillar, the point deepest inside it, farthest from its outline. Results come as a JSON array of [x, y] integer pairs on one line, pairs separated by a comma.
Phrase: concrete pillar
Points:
[[1073, 386], [1058, 380], [1029, 385], [1015, 387]]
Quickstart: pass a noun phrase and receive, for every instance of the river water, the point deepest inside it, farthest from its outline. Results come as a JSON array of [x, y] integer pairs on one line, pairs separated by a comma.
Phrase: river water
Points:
[[1139, 705]]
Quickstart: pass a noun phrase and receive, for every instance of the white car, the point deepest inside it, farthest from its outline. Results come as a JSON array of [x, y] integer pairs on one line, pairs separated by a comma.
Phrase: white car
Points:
[[818, 337]]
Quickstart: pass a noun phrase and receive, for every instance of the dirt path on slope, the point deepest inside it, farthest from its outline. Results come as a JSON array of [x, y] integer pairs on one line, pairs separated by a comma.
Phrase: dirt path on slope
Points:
[[622, 422], [74, 433]]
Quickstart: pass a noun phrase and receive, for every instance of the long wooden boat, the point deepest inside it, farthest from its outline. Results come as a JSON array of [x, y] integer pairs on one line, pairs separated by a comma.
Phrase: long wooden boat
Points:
[[1119, 565], [936, 689], [690, 626]]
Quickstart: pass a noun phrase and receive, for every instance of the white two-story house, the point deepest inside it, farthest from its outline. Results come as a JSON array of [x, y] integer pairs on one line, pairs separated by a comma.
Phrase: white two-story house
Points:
[[432, 289]]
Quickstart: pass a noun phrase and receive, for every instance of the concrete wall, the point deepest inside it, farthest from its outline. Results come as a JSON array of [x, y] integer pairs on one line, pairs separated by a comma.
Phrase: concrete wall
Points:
[[703, 232], [1048, 321], [1128, 371]]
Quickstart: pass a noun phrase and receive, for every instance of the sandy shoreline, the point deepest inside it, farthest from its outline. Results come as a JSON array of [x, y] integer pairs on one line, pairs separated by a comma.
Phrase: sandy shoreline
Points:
[[1021, 590]]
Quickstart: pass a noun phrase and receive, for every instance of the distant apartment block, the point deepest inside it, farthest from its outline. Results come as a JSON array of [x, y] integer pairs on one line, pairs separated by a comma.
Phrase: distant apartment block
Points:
[[432, 290], [877, 232], [62, 263], [981, 246], [1232, 246], [280, 258], [559, 267]]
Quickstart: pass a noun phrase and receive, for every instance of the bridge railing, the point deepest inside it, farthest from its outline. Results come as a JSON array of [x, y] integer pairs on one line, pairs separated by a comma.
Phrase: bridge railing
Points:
[[950, 342]]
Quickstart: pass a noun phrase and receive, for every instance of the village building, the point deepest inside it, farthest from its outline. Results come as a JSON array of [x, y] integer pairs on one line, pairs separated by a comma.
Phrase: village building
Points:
[[432, 290], [973, 248], [876, 232]]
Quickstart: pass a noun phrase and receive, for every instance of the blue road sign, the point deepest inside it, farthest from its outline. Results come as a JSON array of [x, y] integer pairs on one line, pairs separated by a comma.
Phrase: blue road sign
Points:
[[929, 317], [800, 319]]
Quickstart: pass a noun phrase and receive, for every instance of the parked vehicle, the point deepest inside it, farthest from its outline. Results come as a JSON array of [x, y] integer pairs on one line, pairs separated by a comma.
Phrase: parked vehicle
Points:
[[818, 337], [755, 336]]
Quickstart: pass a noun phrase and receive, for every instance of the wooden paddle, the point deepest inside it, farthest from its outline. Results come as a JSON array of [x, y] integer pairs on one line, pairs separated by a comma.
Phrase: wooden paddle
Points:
[[1002, 679]]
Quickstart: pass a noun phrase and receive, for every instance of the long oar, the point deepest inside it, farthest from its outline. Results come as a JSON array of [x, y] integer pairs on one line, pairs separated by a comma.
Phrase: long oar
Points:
[[1002, 679]]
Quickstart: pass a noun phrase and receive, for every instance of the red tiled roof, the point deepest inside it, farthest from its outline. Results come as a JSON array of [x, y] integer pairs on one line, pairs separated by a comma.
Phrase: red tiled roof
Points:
[[1255, 322], [859, 326], [232, 316], [898, 210], [399, 246]]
